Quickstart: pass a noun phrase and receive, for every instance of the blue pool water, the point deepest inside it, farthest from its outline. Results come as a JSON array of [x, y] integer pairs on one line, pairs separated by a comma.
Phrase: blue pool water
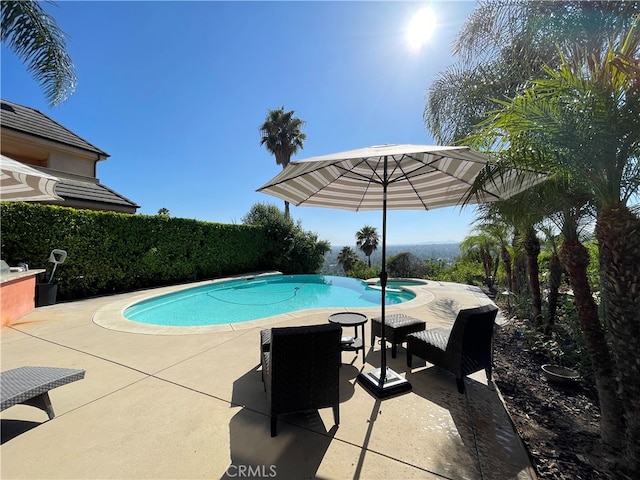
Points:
[[242, 300]]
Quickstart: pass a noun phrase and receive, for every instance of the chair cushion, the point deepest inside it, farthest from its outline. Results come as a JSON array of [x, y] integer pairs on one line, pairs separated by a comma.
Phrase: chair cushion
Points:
[[397, 326], [430, 345]]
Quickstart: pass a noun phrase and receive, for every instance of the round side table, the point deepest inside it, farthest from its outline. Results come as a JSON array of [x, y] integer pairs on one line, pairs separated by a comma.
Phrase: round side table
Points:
[[355, 320]]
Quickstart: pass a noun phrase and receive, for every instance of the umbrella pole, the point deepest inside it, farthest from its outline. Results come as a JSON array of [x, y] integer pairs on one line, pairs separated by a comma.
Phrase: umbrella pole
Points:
[[384, 382], [383, 281]]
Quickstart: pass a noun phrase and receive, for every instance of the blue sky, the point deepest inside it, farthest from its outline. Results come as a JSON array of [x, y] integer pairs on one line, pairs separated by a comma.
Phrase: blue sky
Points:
[[175, 92]]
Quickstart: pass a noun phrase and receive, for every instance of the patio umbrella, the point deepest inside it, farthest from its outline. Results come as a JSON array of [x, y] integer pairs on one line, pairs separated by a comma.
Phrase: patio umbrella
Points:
[[21, 183], [400, 177]]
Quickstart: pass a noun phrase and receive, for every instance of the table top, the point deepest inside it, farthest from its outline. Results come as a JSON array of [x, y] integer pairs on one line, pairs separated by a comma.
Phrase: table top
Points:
[[348, 318]]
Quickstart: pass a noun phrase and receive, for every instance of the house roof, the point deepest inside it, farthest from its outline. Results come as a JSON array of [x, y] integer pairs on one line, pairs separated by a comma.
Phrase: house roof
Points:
[[77, 188], [33, 122], [71, 186]]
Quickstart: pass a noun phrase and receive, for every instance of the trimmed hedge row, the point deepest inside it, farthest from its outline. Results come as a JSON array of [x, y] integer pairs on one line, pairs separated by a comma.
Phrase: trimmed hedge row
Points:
[[112, 252]]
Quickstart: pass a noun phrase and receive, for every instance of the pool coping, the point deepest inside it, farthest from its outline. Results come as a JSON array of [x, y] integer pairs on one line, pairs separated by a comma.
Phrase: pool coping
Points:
[[111, 316]]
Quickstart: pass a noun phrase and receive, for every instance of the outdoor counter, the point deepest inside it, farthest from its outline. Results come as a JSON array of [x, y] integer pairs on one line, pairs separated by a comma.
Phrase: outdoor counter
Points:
[[17, 294]]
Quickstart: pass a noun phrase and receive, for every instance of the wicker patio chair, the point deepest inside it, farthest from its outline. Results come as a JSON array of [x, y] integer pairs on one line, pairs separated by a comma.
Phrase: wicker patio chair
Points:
[[465, 349], [31, 385], [301, 369]]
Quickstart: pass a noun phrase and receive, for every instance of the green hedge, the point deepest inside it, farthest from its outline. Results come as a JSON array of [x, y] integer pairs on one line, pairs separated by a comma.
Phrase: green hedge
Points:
[[112, 252]]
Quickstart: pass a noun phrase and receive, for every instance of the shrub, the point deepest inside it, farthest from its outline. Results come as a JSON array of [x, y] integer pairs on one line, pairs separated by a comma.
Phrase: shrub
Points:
[[406, 265], [113, 252], [361, 270], [288, 247]]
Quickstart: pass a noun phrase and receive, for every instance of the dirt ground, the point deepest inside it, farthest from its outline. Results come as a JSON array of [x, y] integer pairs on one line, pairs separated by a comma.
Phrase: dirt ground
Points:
[[559, 425]]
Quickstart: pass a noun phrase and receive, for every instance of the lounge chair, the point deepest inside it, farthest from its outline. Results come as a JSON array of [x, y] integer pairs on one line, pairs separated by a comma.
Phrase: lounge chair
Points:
[[465, 349], [31, 385], [301, 369]]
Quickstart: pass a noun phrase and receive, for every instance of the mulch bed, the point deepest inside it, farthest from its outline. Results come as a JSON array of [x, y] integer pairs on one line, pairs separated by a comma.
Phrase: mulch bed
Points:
[[558, 425]]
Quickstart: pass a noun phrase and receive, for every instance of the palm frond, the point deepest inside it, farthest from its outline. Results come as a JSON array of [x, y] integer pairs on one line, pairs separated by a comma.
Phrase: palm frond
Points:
[[37, 40]]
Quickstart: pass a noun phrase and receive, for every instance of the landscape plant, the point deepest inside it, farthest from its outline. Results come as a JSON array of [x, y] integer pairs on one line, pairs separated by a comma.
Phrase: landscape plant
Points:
[[35, 37], [362, 271], [367, 240], [281, 134], [287, 246], [571, 105], [112, 252], [347, 258], [406, 265]]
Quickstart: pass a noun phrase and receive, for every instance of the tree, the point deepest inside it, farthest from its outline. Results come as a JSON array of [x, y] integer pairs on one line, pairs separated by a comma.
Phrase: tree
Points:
[[523, 212], [164, 212], [551, 241], [406, 265], [503, 45], [281, 133], [490, 223], [347, 258], [367, 240], [486, 249], [567, 74], [583, 118], [290, 249], [36, 39]]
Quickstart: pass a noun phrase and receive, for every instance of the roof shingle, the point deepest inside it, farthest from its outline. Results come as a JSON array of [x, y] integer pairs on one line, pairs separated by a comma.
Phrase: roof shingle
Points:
[[31, 121]]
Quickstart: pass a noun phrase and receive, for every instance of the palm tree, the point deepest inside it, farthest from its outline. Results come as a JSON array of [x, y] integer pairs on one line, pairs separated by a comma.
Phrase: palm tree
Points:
[[555, 274], [347, 258], [367, 240], [503, 45], [282, 135], [525, 212], [585, 119], [36, 39], [507, 44], [485, 247], [491, 223]]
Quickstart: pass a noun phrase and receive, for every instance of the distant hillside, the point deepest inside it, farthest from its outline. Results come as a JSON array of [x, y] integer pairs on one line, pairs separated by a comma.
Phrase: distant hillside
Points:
[[445, 251]]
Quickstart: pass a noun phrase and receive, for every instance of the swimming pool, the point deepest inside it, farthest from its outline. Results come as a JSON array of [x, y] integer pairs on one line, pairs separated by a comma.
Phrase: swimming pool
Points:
[[236, 301]]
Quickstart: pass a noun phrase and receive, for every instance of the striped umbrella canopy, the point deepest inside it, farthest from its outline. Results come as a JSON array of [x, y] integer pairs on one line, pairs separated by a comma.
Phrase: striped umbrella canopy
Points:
[[398, 177], [414, 177], [21, 183]]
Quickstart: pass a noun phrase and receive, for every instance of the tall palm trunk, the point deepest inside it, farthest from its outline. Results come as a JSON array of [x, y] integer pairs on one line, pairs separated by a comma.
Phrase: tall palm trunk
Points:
[[532, 249], [286, 209], [575, 258], [555, 278], [520, 284], [618, 234], [519, 271], [487, 262], [506, 258]]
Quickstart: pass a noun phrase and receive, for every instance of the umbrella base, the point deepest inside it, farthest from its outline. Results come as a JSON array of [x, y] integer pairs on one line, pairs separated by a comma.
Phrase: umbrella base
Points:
[[393, 385]]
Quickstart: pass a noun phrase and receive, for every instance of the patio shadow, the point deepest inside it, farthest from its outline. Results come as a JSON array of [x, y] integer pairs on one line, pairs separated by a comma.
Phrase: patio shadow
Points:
[[480, 419], [302, 441], [9, 429]]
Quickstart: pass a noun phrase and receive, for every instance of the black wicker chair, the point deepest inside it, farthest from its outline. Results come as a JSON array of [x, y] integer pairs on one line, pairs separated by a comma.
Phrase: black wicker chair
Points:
[[465, 349], [301, 369]]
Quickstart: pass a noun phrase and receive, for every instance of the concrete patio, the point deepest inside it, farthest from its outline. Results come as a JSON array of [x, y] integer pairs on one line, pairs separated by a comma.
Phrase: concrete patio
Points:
[[169, 404]]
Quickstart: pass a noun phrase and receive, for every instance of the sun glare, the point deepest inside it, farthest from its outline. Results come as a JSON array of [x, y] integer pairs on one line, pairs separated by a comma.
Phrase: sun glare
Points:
[[420, 28]]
